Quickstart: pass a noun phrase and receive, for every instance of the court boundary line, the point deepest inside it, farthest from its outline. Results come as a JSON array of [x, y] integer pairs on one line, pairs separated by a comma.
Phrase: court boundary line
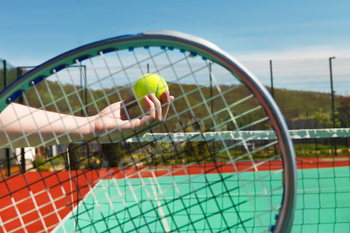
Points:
[[65, 219]]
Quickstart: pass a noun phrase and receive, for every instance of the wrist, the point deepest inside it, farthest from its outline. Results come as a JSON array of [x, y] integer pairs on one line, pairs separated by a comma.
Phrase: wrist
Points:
[[88, 129]]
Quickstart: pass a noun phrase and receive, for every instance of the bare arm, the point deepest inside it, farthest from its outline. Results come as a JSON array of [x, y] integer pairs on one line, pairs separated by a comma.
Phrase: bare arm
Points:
[[37, 126], [24, 126]]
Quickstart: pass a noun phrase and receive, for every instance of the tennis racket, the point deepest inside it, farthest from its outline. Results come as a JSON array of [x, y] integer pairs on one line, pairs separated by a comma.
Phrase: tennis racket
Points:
[[98, 161]]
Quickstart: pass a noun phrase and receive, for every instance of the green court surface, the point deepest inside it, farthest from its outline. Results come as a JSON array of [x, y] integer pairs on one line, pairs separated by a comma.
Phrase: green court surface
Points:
[[323, 203]]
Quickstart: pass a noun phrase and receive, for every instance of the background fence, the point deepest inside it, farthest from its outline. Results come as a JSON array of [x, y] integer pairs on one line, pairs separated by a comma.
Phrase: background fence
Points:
[[302, 89]]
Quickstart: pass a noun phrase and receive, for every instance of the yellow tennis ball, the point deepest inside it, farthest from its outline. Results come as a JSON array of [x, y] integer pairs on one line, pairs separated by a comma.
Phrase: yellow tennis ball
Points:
[[150, 83]]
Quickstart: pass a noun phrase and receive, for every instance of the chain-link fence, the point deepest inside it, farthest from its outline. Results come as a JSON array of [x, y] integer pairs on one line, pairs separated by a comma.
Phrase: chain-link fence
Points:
[[8, 73], [10, 165], [302, 89]]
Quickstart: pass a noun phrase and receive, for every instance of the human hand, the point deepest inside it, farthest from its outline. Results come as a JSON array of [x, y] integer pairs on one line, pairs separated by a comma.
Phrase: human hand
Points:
[[116, 123]]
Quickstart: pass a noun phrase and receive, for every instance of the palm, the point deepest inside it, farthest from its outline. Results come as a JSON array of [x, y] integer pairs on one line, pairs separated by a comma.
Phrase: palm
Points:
[[116, 123]]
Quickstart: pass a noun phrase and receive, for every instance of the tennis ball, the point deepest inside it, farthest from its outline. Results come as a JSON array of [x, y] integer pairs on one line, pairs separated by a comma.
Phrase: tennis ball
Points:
[[150, 83]]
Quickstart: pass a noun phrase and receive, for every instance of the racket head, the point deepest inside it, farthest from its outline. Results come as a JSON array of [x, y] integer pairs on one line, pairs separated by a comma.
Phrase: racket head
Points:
[[190, 46]]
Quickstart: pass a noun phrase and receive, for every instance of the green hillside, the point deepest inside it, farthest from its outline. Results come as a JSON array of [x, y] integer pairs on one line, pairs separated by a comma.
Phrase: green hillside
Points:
[[293, 104]]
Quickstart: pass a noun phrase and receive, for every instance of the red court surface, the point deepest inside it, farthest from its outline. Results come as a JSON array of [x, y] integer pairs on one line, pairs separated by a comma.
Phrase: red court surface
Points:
[[38, 183], [18, 186], [323, 162]]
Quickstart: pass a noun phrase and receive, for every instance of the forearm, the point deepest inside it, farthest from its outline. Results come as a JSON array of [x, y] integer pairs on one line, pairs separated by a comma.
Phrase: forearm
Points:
[[36, 127]]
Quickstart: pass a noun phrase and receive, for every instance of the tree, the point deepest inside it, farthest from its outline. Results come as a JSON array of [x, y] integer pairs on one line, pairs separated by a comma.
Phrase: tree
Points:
[[325, 118], [344, 111]]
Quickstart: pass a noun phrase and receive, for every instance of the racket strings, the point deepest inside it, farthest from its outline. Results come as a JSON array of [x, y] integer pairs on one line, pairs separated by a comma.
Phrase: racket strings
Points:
[[67, 133], [45, 112], [162, 206], [76, 92], [127, 77], [249, 156], [192, 113], [214, 81], [80, 198], [37, 206], [26, 183], [34, 197], [213, 120], [165, 225], [65, 97], [243, 142]]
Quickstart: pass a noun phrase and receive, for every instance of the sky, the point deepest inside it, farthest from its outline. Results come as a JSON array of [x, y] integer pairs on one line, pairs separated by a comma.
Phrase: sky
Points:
[[254, 32]]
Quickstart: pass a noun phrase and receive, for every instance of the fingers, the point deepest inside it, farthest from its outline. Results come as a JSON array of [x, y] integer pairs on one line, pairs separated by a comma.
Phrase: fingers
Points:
[[155, 110], [154, 113], [151, 113], [166, 98], [161, 111], [157, 105]]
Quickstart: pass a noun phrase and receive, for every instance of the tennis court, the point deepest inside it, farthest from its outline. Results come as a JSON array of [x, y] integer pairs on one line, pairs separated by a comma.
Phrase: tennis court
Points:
[[164, 210], [149, 201], [165, 203], [323, 204]]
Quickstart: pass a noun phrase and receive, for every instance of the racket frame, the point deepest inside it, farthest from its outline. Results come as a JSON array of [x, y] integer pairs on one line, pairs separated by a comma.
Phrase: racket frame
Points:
[[197, 47]]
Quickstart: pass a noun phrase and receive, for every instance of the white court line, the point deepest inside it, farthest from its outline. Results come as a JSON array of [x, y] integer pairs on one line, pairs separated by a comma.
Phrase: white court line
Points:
[[74, 209], [322, 189], [160, 209]]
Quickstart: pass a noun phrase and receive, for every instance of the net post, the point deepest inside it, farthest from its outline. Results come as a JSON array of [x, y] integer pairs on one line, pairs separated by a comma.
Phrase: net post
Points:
[[271, 75], [332, 95], [212, 100]]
